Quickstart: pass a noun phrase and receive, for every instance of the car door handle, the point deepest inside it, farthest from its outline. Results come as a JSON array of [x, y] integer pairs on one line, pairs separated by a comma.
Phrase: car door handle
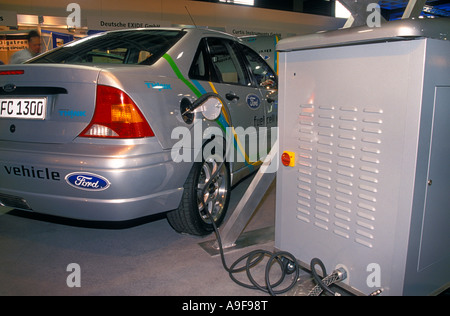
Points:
[[231, 96]]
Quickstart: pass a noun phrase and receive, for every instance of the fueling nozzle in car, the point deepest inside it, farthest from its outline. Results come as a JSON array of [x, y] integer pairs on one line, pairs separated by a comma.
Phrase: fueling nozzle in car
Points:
[[209, 103]]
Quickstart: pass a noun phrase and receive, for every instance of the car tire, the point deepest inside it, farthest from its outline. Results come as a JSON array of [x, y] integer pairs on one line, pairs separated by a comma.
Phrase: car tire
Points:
[[193, 216]]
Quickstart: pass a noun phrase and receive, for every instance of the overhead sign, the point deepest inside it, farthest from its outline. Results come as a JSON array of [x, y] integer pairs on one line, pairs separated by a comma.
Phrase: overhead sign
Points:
[[117, 23], [250, 31]]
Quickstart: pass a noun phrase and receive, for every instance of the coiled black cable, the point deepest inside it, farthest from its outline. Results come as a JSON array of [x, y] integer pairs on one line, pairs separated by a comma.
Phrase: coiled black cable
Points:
[[252, 259]]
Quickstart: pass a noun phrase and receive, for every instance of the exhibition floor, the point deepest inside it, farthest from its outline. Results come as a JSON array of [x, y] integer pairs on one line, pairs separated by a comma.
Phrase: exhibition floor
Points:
[[145, 258]]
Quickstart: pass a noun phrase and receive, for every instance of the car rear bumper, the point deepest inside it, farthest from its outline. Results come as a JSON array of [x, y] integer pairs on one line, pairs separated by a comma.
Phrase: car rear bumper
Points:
[[139, 183]]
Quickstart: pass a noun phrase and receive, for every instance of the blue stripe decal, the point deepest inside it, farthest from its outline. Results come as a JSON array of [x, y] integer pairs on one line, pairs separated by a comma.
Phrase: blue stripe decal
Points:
[[199, 86]]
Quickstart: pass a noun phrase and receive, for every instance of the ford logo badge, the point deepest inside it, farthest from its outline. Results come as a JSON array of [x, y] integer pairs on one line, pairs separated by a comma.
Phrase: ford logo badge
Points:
[[253, 101], [87, 181], [9, 87]]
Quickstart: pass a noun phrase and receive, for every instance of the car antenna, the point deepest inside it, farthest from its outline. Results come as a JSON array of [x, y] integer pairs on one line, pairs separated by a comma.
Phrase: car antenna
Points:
[[192, 19]]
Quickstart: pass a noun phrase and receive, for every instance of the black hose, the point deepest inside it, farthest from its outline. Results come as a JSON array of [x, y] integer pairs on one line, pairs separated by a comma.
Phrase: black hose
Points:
[[317, 278], [255, 257]]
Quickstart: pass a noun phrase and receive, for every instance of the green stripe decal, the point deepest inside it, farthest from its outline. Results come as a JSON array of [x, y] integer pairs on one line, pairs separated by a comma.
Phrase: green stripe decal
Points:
[[178, 73]]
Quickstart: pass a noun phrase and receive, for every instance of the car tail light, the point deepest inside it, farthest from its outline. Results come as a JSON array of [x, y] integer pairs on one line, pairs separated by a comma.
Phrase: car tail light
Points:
[[116, 116]]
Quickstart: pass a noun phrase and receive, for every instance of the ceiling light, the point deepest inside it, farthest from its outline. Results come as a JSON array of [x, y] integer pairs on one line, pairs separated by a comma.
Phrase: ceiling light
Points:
[[246, 2], [341, 11]]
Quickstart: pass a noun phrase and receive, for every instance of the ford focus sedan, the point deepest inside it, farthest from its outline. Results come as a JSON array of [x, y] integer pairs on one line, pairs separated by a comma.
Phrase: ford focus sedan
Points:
[[130, 123]]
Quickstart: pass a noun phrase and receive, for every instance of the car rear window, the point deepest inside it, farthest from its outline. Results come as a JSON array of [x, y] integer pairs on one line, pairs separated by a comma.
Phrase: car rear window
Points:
[[132, 47]]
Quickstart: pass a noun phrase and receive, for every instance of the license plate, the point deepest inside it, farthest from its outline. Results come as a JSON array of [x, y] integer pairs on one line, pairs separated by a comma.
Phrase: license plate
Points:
[[23, 108]]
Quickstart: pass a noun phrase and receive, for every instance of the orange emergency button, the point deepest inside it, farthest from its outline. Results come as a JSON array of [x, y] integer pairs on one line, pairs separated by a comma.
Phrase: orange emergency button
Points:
[[288, 159]]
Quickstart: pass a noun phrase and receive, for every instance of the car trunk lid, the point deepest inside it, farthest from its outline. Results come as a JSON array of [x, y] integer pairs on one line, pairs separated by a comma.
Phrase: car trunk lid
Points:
[[49, 103]]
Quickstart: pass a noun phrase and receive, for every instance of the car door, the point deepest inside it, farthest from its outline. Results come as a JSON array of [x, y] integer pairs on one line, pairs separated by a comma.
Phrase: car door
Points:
[[232, 81], [265, 79]]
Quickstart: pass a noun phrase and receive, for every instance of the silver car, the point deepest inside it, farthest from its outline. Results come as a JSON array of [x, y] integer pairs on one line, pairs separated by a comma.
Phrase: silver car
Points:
[[130, 123]]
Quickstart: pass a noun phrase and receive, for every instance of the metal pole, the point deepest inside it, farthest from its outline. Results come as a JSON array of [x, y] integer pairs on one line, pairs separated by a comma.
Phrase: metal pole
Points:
[[413, 9], [236, 223]]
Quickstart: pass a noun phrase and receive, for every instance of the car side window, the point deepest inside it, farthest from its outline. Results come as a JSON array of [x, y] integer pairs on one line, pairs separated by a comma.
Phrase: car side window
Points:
[[226, 63], [132, 47], [263, 74], [200, 68]]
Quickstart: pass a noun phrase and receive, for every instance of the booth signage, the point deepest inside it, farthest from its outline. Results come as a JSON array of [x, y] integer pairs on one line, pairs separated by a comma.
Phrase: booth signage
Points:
[[116, 23]]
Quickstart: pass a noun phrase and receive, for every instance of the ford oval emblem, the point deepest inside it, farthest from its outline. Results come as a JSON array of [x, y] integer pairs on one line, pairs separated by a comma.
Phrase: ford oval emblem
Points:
[[253, 101], [10, 87], [87, 181]]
